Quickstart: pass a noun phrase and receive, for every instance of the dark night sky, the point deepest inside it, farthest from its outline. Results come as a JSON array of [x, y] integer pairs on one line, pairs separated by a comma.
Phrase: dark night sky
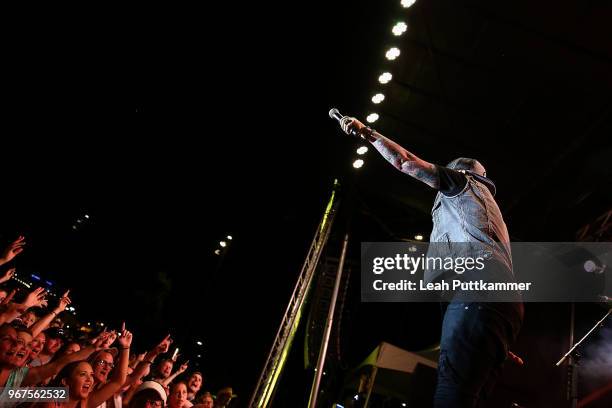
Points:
[[231, 136]]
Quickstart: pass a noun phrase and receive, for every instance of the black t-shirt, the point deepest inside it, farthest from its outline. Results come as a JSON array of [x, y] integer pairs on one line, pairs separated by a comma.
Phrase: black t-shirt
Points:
[[451, 181]]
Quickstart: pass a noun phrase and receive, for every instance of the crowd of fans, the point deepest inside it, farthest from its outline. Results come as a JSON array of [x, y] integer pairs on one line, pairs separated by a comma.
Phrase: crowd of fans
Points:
[[99, 369]]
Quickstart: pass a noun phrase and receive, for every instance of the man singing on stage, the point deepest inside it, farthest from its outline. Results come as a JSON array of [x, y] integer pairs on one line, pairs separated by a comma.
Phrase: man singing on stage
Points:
[[475, 335]]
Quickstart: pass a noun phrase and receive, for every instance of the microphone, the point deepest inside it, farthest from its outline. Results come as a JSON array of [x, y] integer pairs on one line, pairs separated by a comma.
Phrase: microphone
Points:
[[335, 114]]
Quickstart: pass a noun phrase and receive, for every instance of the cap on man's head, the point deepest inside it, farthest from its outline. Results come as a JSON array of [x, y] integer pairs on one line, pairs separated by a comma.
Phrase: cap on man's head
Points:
[[152, 385], [464, 163], [475, 168]]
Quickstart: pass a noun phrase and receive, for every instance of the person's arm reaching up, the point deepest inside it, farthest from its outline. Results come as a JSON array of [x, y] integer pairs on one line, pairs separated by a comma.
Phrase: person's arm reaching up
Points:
[[400, 158], [11, 251], [144, 367], [44, 321], [119, 375], [166, 382]]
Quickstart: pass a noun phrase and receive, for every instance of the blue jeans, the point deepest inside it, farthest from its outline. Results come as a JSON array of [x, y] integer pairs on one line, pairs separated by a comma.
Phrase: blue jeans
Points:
[[473, 348]]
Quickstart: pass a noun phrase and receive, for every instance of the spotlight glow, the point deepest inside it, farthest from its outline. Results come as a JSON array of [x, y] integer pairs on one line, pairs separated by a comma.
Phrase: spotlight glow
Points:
[[372, 117], [230, 237], [217, 252], [392, 53], [407, 3], [223, 244], [418, 237], [378, 98], [385, 78], [362, 150], [399, 29], [358, 163]]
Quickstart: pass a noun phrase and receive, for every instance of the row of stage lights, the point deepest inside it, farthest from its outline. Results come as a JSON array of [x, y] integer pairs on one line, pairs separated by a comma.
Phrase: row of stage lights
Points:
[[223, 245], [391, 54]]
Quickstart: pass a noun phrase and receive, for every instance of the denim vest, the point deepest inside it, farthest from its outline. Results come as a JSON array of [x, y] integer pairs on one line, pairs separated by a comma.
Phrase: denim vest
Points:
[[469, 224]]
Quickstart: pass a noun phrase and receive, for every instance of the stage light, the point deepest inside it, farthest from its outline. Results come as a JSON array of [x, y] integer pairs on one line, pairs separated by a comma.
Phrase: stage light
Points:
[[378, 98], [358, 163], [86, 216], [372, 117], [356, 397], [403, 404], [199, 356], [418, 237], [407, 3], [199, 343], [385, 77], [392, 53], [230, 237], [362, 150], [592, 267], [223, 244], [217, 252], [399, 29]]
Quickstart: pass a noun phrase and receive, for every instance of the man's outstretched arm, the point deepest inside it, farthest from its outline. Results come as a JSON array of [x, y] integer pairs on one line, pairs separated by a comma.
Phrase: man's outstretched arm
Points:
[[400, 158]]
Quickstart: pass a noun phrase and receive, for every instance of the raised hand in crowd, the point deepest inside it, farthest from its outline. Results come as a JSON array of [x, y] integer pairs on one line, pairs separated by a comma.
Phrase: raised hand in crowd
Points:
[[125, 339], [100, 341], [7, 275], [143, 368], [166, 381], [164, 345], [45, 321], [36, 298], [110, 339], [63, 302], [11, 251], [113, 386]]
